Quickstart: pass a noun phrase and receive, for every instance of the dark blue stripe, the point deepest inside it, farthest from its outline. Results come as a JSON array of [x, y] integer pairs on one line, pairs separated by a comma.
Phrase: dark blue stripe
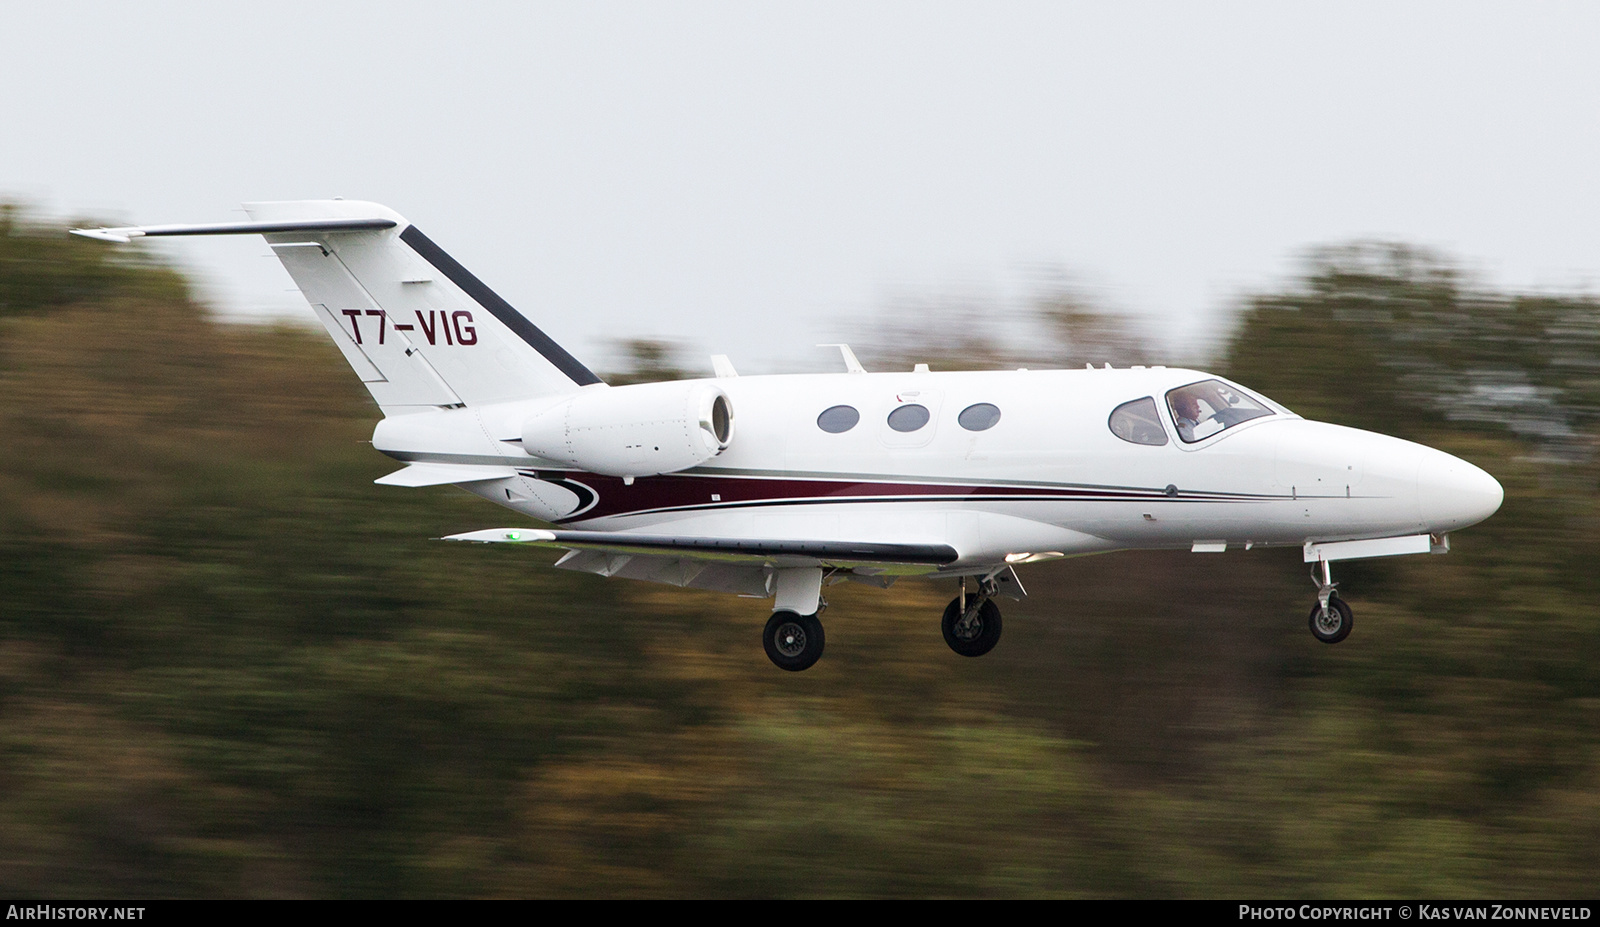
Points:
[[499, 308]]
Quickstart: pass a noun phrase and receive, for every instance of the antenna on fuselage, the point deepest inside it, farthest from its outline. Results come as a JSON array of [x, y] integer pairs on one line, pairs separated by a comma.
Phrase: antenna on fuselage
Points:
[[851, 365]]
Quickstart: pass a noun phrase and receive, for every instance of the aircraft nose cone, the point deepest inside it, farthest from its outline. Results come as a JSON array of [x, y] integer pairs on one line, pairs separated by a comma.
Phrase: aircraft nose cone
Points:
[[1453, 493]]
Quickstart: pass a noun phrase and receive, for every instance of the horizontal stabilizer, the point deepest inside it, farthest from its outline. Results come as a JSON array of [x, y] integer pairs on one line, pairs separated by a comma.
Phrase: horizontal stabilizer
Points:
[[720, 548], [238, 228], [442, 474]]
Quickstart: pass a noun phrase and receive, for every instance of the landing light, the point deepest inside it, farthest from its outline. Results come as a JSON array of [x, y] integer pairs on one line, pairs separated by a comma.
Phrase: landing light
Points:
[[1034, 558]]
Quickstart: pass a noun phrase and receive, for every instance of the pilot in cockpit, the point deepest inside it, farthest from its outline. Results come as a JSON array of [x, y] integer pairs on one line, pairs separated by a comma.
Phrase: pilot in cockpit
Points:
[[1186, 414], [1203, 409]]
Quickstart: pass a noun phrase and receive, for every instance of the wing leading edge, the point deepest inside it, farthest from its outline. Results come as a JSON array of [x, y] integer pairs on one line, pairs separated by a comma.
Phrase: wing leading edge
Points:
[[760, 549], [742, 565]]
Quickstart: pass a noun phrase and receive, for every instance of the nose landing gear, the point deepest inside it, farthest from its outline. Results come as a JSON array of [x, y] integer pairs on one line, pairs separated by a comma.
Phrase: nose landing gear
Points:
[[1331, 619]]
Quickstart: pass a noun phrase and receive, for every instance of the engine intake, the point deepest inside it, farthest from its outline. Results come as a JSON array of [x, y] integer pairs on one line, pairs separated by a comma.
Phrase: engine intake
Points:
[[639, 430]]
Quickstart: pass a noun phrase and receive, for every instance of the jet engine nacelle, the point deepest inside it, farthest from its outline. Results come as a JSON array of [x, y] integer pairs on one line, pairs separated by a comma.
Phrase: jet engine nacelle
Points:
[[639, 430]]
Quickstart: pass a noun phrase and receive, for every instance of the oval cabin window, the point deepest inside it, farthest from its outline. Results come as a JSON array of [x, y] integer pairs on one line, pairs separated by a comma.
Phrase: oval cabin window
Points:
[[838, 419], [909, 417], [980, 417], [1138, 422]]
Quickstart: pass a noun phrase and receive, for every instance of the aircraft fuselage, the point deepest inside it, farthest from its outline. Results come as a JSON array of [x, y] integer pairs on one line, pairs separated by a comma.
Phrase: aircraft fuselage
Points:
[[1049, 476]]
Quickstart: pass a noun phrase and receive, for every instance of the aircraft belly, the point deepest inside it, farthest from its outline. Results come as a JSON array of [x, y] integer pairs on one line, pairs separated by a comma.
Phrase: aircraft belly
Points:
[[1277, 521], [1358, 517], [981, 533], [804, 523], [1081, 517]]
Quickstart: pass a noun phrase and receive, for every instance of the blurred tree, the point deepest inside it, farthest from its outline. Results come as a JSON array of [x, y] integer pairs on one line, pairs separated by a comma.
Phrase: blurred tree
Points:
[[1058, 326], [44, 268], [1090, 334], [650, 360], [1376, 335]]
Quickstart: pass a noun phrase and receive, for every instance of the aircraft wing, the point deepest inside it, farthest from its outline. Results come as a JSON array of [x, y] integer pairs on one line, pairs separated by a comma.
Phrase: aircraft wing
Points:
[[726, 564], [837, 553]]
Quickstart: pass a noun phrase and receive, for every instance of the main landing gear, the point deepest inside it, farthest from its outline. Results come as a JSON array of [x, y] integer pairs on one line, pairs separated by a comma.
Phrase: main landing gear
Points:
[[1331, 619], [793, 636], [793, 641], [972, 622]]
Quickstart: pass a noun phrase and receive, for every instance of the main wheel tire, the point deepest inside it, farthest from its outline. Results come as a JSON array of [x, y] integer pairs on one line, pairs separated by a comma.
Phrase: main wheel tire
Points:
[[980, 637], [1334, 625], [793, 642]]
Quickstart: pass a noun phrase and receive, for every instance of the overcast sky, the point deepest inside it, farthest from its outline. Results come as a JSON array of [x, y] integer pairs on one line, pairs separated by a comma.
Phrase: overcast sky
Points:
[[749, 177]]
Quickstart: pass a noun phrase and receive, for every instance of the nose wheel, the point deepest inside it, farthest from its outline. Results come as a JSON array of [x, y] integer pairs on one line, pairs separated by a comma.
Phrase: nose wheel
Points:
[[1331, 619], [1331, 623], [793, 642]]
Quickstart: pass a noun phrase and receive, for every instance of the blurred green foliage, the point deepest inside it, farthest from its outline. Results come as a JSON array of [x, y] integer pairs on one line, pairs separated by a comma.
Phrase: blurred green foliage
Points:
[[648, 360], [44, 268], [232, 666], [1391, 336]]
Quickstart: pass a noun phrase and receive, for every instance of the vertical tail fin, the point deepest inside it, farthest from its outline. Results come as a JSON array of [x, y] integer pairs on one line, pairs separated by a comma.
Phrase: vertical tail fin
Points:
[[419, 329]]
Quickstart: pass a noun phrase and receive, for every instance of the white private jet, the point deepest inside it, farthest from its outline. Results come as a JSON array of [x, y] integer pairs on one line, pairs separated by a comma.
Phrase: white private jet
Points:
[[823, 478]]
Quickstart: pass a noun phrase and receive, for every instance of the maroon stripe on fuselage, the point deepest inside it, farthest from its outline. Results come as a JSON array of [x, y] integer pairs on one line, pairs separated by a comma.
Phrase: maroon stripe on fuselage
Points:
[[682, 492]]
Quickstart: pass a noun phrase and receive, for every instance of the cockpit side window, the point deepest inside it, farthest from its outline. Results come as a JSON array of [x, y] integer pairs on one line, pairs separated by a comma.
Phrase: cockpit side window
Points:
[[1203, 409], [1138, 422]]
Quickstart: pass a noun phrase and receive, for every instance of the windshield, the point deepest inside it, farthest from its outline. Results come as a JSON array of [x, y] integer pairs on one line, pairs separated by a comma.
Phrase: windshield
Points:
[[1203, 409]]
